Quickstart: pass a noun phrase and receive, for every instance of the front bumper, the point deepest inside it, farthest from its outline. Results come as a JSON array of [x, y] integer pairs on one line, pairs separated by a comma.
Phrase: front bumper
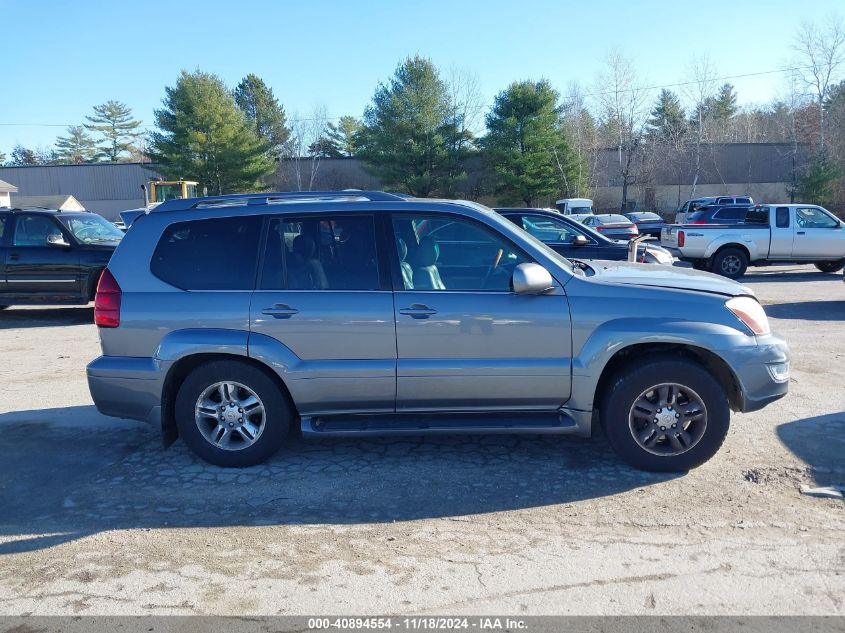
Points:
[[762, 372], [127, 387]]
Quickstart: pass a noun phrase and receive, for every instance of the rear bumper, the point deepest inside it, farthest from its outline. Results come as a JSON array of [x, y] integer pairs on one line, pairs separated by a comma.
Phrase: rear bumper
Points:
[[127, 387], [762, 372]]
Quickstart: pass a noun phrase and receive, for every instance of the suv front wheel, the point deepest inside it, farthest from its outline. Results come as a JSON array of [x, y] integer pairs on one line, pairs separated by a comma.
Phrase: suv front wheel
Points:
[[231, 413], [665, 414]]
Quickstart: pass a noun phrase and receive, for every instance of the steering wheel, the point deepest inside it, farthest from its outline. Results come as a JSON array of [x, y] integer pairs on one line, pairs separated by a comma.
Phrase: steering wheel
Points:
[[86, 231], [492, 267]]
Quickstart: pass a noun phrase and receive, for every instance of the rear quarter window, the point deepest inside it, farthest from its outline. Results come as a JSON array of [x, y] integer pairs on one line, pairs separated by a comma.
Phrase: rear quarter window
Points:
[[211, 254]]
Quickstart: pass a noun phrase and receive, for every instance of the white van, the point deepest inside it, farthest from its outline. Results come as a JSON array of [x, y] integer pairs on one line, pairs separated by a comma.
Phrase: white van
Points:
[[569, 206]]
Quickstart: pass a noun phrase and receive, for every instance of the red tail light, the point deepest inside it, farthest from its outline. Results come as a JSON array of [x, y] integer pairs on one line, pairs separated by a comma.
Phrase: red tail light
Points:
[[107, 301], [599, 228], [681, 238], [697, 222]]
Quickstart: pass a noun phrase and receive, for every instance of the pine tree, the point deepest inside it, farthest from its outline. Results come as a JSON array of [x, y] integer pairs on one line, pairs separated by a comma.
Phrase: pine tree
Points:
[[263, 111], [113, 121], [668, 119], [526, 146], [408, 137], [203, 135], [816, 185], [343, 135], [77, 147], [723, 106]]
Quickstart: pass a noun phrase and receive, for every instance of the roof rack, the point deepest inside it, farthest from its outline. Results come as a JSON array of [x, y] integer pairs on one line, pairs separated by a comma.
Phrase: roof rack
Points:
[[239, 199]]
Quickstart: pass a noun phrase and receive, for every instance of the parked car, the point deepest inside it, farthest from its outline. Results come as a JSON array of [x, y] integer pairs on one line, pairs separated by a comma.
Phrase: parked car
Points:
[[570, 206], [785, 233], [612, 225], [346, 316], [51, 256], [576, 241], [693, 205], [648, 223], [719, 214]]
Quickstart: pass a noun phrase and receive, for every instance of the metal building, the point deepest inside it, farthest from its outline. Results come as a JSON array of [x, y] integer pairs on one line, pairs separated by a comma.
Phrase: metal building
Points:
[[106, 188]]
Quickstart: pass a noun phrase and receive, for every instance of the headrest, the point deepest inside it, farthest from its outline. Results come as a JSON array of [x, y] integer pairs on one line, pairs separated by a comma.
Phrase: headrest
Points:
[[304, 247], [402, 247], [427, 252]]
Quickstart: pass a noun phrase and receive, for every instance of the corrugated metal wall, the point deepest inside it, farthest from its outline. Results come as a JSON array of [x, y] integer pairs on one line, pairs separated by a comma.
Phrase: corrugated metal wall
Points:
[[113, 181]]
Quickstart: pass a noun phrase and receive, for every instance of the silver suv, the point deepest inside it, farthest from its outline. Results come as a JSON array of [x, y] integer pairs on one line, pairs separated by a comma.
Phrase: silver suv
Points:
[[230, 320]]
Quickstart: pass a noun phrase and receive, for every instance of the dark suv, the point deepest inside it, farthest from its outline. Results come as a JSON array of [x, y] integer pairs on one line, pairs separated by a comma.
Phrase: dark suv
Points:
[[53, 257], [720, 214]]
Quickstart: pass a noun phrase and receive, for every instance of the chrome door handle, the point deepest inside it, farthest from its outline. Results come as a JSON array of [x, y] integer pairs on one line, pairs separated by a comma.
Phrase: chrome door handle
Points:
[[418, 311], [14, 256], [280, 311]]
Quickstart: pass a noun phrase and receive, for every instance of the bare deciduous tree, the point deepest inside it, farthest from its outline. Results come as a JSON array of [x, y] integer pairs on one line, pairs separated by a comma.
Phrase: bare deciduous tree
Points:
[[820, 54], [622, 98], [580, 129], [467, 101], [700, 90], [301, 154]]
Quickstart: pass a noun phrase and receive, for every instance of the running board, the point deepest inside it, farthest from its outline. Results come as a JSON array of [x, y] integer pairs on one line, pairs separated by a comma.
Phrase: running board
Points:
[[384, 424]]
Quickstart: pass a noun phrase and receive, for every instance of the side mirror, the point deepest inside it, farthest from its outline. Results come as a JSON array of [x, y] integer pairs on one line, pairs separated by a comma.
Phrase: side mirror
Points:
[[56, 239], [531, 279], [580, 240]]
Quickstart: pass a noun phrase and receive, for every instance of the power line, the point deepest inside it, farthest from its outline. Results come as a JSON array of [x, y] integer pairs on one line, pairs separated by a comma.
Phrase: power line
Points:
[[693, 82], [587, 94]]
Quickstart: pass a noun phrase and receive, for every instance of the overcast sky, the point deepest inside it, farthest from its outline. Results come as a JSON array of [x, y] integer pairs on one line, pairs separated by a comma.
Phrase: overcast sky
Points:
[[62, 57]]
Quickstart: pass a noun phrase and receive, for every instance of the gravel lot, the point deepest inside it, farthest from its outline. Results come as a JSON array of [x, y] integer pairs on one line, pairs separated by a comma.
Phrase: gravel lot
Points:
[[96, 518]]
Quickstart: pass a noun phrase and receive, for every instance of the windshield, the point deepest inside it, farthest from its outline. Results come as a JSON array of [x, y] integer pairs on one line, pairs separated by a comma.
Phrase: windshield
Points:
[[574, 210], [91, 228]]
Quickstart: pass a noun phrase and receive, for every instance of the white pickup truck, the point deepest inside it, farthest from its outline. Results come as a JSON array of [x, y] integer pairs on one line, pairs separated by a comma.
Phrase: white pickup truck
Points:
[[785, 233]]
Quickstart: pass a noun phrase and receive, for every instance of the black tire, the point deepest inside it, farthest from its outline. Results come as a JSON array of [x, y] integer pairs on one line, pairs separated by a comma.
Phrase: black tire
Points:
[[278, 413], [700, 264], [638, 376], [730, 262], [830, 267]]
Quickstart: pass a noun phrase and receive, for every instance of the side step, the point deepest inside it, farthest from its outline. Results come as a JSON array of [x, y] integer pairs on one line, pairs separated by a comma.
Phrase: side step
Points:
[[384, 424]]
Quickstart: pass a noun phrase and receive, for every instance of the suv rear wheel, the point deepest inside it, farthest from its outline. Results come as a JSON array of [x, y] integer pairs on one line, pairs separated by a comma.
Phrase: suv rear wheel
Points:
[[730, 262], [830, 267], [231, 413], [665, 415]]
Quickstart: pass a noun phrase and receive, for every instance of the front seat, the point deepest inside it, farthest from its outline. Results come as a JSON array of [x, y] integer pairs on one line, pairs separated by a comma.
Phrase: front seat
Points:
[[426, 275], [404, 266], [306, 271]]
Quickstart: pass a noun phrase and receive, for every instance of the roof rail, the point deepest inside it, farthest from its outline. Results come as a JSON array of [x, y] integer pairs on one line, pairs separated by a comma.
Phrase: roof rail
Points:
[[239, 199]]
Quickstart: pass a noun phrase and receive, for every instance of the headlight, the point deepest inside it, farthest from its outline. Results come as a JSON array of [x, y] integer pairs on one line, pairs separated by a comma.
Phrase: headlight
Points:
[[751, 313]]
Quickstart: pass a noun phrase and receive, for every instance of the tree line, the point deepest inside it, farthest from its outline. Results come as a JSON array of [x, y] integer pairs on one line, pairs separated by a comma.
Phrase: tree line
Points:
[[534, 142]]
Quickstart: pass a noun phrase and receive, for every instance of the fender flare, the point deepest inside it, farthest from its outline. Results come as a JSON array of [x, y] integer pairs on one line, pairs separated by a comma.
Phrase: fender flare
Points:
[[618, 335]]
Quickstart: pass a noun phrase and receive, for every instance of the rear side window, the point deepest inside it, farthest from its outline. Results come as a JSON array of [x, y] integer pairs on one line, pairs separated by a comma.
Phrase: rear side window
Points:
[[782, 217], [2, 226], [321, 253], [212, 254]]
